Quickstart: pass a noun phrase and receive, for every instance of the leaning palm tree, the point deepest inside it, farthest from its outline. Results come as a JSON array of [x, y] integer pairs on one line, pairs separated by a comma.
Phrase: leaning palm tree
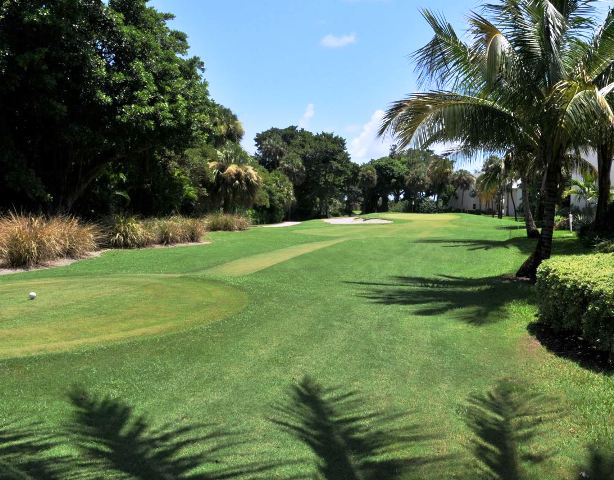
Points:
[[524, 81]]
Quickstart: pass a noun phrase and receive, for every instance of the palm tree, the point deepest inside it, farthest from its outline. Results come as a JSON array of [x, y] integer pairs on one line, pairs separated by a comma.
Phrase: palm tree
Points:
[[493, 179], [524, 82], [587, 188], [233, 183], [524, 167], [463, 181], [603, 140]]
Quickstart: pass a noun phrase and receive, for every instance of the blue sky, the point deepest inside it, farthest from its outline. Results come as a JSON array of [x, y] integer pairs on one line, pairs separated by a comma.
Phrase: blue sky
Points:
[[326, 65]]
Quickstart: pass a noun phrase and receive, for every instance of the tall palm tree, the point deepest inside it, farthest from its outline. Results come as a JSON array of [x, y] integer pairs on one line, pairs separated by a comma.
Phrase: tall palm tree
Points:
[[603, 132], [516, 85]]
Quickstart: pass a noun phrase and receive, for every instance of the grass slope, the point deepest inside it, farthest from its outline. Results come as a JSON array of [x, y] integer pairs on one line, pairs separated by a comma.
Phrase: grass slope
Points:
[[416, 315]]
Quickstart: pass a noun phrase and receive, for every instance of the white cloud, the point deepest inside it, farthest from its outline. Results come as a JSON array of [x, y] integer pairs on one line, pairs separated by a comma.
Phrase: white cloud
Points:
[[334, 41], [367, 144], [310, 111]]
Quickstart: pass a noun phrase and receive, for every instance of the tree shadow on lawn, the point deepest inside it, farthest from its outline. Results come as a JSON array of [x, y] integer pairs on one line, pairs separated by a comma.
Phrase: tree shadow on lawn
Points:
[[523, 245], [476, 301], [573, 347], [350, 441], [561, 246]]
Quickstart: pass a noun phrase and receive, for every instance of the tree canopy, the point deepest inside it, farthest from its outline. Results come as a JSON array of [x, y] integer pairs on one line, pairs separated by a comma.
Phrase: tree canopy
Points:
[[91, 89]]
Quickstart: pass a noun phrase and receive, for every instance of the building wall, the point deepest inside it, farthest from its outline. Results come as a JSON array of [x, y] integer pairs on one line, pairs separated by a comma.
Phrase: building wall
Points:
[[469, 204]]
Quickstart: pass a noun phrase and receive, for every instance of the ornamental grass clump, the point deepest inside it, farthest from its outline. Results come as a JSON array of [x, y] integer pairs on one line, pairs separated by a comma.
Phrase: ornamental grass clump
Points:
[[226, 222], [576, 295], [31, 240], [126, 231], [177, 229]]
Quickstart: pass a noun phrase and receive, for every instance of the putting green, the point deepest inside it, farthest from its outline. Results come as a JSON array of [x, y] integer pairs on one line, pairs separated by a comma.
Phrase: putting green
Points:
[[73, 312]]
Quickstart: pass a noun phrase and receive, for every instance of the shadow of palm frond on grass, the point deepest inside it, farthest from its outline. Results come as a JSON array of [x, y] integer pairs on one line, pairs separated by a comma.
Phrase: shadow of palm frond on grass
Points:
[[561, 246], [600, 465], [29, 451], [523, 245], [114, 440], [505, 423], [349, 441], [476, 301]]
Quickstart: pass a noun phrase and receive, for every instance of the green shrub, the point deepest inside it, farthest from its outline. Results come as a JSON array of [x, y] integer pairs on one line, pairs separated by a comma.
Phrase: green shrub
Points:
[[31, 240], [427, 205], [226, 222], [402, 206], [604, 246], [576, 295], [125, 231], [561, 222]]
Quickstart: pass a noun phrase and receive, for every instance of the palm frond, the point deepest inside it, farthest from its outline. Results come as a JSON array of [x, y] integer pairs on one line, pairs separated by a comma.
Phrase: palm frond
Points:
[[425, 118], [446, 60]]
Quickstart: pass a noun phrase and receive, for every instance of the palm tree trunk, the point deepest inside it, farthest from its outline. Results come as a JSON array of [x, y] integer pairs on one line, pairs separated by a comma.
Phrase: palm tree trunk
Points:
[[532, 231], [605, 155], [513, 202], [543, 249]]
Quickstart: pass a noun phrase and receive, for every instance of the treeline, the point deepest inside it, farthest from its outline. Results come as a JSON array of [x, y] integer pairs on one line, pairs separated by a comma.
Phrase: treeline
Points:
[[104, 112]]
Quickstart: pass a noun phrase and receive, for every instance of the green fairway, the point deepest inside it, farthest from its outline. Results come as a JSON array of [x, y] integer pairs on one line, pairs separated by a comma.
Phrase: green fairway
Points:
[[415, 315]]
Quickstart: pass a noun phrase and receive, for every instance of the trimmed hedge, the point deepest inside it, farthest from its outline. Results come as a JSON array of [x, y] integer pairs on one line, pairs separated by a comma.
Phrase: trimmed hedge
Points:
[[576, 295]]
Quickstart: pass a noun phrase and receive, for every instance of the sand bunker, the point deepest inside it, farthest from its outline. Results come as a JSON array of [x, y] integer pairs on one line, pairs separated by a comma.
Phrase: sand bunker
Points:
[[282, 224], [356, 221]]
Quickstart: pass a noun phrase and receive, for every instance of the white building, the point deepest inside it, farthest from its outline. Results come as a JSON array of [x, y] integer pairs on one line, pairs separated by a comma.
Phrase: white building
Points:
[[467, 203]]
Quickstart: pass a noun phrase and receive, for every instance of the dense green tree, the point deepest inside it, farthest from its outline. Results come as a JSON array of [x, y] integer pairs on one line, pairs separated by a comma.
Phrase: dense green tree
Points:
[[85, 86], [317, 164], [273, 202], [439, 173]]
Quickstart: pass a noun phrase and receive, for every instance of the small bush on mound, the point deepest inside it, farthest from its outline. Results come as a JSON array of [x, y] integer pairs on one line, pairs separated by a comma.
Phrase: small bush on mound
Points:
[[30, 240], [576, 295], [226, 222]]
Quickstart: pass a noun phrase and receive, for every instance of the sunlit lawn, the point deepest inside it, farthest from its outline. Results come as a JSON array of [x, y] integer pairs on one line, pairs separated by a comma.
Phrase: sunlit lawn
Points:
[[415, 315]]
